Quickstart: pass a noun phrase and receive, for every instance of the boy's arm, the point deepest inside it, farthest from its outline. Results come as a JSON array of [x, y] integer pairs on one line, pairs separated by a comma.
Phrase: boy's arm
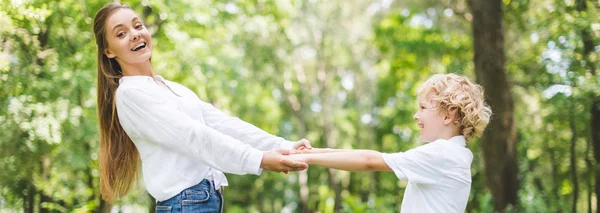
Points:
[[349, 160], [320, 150]]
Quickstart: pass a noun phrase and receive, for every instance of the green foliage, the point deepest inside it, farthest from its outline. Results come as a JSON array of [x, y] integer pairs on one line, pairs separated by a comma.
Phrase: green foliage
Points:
[[342, 74]]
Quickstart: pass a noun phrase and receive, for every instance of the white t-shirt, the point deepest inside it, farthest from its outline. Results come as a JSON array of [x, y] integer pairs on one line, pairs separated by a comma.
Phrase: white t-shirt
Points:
[[438, 174]]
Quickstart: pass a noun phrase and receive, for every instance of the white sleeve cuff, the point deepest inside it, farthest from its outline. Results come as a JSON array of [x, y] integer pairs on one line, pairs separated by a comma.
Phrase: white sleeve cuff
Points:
[[389, 160], [288, 145], [253, 162]]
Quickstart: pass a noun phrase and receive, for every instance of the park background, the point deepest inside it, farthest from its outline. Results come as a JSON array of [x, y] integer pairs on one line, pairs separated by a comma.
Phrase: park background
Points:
[[341, 73]]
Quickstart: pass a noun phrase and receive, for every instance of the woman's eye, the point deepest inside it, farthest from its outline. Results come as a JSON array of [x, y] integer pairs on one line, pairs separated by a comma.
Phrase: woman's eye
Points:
[[139, 26], [121, 34]]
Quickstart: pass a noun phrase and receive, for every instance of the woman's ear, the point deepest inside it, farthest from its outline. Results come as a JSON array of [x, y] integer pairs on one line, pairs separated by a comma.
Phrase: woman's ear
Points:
[[108, 53]]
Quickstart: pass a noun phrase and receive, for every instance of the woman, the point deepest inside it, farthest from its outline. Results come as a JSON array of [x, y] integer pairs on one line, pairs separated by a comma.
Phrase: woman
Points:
[[184, 144]]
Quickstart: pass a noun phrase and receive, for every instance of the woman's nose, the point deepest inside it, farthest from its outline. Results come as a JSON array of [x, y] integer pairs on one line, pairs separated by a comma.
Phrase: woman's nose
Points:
[[135, 35]]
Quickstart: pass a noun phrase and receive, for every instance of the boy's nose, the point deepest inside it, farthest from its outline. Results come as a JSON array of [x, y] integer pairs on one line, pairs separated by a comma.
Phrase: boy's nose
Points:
[[415, 116]]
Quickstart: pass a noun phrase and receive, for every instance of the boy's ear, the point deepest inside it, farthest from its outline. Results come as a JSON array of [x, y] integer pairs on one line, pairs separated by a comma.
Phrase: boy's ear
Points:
[[108, 53], [451, 115]]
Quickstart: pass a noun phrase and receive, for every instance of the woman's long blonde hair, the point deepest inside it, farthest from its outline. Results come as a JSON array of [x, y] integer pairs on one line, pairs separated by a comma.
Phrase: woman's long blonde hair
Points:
[[119, 158]]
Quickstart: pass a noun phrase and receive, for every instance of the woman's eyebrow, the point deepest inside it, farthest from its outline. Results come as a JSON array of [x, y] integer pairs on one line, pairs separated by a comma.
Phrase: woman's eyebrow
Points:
[[120, 25]]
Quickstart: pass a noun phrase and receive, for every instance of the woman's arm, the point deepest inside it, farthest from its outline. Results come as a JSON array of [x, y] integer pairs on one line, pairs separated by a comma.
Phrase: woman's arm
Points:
[[246, 132], [161, 124], [349, 160]]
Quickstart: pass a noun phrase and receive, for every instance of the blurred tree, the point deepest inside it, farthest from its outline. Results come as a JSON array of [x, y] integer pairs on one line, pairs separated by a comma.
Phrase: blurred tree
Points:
[[499, 140]]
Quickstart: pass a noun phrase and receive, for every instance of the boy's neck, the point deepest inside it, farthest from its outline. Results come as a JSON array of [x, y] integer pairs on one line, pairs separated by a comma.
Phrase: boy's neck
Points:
[[448, 137], [447, 133]]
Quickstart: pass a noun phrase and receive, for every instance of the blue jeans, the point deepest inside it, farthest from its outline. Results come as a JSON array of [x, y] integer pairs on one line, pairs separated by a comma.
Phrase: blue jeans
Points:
[[202, 197]]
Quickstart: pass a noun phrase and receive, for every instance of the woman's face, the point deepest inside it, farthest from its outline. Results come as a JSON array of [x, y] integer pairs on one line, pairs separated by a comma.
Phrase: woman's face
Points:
[[128, 39]]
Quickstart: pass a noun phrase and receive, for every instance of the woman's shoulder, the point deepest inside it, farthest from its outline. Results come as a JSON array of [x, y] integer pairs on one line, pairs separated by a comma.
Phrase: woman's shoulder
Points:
[[129, 87], [180, 88], [175, 84], [127, 92]]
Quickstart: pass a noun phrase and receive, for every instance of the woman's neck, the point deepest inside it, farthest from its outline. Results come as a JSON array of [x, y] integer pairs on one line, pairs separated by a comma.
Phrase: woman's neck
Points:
[[144, 68]]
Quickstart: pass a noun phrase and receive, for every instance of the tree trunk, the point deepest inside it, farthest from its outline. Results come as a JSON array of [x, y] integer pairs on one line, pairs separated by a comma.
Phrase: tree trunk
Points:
[[588, 179], [554, 173], [588, 47], [573, 157], [44, 200], [29, 201], [44, 171], [595, 127], [499, 140]]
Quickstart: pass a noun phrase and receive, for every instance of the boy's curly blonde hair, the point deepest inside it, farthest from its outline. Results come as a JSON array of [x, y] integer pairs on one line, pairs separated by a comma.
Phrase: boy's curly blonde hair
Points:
[[454, 93]]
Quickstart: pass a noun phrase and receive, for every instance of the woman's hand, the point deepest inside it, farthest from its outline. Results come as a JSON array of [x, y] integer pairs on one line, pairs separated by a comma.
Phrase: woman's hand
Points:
[[278, 161]]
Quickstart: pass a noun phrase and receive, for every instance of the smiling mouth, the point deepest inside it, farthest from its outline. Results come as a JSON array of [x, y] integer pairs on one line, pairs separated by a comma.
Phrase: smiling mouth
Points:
[[139, 46]]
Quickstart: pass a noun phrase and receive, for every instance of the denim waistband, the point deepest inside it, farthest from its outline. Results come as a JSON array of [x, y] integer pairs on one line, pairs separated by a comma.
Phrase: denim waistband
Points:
[[198, 193], [206, 184]]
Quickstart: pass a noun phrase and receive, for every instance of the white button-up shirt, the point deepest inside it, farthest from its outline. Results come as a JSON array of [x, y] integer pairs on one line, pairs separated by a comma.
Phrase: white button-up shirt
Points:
[[182, 140], [438, 174]]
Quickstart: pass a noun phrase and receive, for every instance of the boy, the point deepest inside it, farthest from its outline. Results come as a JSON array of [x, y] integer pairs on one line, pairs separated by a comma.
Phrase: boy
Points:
[[451, 111]]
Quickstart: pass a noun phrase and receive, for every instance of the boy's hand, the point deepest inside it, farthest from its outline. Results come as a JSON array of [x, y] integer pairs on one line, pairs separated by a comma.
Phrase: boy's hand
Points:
[[302, 145]]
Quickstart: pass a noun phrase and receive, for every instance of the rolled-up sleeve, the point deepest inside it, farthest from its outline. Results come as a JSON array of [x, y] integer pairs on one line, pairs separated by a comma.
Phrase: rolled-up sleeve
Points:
[[241, 130], [154, 120]]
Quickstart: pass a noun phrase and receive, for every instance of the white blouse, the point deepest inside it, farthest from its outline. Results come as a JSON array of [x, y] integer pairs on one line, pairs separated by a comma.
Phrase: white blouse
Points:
[[182, 140]]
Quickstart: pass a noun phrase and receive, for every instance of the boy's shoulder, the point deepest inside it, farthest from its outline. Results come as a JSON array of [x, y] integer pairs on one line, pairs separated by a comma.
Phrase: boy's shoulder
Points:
[[442, 146], [456, 141], [448, 149], [455, 151]]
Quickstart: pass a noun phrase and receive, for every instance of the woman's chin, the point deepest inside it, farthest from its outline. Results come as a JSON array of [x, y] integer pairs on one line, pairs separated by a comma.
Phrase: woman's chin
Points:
[[142, 59]]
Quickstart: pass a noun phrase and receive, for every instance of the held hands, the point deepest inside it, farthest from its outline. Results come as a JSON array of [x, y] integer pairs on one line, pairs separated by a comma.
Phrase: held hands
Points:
[[298, 157], [317, 150], [303, 144], [300, 147], [278, 161], [304, 147]]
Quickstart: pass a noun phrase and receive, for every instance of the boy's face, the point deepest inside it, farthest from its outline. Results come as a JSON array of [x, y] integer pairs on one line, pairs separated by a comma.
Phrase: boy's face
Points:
[[430, 120]]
